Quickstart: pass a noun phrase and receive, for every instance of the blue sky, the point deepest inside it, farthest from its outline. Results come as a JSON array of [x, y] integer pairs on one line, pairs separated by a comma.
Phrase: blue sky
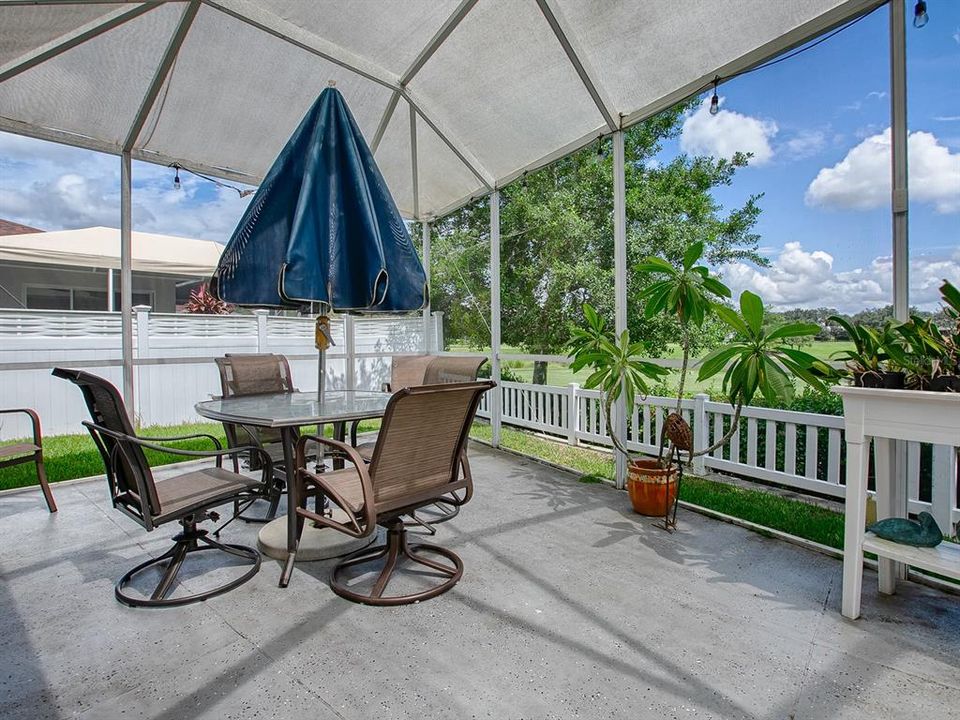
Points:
[[815, 123]]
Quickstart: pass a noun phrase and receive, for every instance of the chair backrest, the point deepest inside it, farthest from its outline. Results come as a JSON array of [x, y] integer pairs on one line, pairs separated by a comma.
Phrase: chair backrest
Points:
[[408, 371], [453, 369], [422, 436], [254, 374], [127, 468]]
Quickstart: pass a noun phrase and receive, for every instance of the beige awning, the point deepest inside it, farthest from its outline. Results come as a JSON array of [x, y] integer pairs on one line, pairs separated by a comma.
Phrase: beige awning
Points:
[[99, 247]]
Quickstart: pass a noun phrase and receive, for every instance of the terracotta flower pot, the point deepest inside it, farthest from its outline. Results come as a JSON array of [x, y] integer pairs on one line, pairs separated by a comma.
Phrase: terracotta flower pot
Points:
[[652, 488]]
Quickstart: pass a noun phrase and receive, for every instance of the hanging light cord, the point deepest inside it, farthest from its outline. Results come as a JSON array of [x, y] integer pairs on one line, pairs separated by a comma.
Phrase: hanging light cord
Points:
[[218, 183], [802, 49]]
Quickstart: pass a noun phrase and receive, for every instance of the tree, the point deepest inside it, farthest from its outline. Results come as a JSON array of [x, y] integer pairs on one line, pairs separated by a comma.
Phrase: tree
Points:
[[557, 242]]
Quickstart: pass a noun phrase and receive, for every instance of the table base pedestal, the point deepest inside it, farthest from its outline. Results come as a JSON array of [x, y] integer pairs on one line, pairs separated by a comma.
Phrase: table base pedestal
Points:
[[315, 543]]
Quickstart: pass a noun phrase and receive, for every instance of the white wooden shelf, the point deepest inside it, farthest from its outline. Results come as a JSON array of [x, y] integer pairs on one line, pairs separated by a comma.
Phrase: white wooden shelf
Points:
[[885, 417], [944, 559]]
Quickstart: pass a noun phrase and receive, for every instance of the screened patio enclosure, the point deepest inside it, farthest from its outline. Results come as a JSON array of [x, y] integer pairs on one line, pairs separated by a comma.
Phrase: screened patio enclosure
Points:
[[456, 98]]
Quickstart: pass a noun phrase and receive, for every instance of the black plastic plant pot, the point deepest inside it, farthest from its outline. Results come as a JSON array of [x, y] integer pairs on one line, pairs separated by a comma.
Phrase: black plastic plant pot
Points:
[[887, 380], [944, 383]]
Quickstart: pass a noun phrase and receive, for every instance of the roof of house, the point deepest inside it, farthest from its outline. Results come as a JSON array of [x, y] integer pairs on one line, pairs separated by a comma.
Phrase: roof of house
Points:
[[99, 247], [8, 227]]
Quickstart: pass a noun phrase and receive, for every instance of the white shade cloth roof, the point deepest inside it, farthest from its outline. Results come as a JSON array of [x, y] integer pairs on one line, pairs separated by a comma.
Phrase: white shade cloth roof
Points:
[[456, 96], [99, 247]]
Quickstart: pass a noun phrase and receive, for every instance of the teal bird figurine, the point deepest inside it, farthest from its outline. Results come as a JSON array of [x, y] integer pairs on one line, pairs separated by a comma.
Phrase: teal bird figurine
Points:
[[925, 533]]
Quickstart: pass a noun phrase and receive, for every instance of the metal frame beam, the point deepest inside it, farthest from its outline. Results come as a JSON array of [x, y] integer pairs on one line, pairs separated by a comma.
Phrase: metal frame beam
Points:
[[425, 253], [799, 35], [253, 15], [620, 284], [458, 149], [437, 40], [496, 410], [163, 71], [69, 40], [126, 283], [898, 161], [414, 164], [579, 61], [384, 121]]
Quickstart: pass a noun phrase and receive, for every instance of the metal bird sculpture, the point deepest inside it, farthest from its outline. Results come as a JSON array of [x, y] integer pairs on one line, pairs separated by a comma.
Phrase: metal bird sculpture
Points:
[[925, 533]]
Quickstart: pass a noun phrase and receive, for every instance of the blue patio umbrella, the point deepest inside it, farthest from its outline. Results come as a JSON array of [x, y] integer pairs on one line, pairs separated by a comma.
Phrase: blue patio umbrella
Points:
[[323, 228]]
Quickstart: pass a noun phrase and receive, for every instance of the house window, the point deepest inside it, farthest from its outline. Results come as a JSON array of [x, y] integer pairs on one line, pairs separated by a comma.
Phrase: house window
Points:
[[46, 298], [43, 298]]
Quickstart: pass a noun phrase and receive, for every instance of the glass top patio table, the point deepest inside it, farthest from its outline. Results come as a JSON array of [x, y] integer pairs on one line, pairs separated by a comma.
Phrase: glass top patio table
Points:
[[295, 409]]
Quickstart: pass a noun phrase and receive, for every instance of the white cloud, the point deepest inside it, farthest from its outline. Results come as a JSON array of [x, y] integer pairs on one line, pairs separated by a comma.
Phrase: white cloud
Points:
[[798, 278], [726, 133], [805, 143], [946, 118], [55, 187], [861, 180]]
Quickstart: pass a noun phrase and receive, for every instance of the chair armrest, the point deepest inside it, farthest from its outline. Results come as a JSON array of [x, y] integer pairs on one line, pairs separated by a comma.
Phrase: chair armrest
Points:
[[34, 421], [218, 453], [355, 528], [216, 442]]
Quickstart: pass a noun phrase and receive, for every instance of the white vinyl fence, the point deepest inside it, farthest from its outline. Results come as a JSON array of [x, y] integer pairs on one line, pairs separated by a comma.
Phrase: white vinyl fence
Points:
[[173, 358], [174, 370], [804, 451]]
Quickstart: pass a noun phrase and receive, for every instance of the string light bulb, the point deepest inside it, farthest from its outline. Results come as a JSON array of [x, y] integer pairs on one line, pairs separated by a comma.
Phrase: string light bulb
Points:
[[600, 146], [920, 17], [176, 177], [715, 100]]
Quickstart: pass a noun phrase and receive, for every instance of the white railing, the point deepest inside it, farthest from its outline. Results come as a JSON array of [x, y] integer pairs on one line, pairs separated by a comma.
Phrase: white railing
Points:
[[798, 450], [173, 358]]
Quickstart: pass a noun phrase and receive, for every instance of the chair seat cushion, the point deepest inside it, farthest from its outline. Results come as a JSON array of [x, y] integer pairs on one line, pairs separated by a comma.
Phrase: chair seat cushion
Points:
[[17, 449], [347, 484], [199, 489]]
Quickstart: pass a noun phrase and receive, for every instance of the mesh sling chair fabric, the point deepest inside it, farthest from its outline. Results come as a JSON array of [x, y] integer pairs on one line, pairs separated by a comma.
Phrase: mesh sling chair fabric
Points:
[[20, 453], [256, 374], [405, 371], [188, 498], [420, 457]]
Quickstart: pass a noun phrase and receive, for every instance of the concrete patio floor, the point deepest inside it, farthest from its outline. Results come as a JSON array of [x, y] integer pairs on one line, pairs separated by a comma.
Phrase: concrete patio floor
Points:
[[570, 606]]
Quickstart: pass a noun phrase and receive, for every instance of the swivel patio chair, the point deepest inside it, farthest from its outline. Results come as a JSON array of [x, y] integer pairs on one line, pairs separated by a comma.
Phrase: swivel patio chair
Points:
[[439, 369], [20, 453], [405, 371], [420, 457], [188, 498], [453, 369], [256, 374]]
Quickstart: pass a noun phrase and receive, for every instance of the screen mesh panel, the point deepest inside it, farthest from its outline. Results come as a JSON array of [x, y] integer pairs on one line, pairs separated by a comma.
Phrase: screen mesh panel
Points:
[[500, 88]]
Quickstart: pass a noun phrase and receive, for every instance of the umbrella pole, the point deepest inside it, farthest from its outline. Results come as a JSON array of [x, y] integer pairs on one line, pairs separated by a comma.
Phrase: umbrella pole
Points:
[[323, 340]]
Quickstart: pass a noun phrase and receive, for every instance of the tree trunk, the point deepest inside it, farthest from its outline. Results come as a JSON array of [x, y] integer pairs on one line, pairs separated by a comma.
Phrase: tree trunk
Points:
[[539, 372]]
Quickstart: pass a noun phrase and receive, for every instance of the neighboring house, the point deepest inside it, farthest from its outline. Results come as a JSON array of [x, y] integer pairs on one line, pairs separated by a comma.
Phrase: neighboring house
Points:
[[79, 269]]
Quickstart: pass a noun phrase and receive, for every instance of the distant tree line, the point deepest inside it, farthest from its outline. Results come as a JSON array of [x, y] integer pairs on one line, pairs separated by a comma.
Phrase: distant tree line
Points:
[[871, 317]]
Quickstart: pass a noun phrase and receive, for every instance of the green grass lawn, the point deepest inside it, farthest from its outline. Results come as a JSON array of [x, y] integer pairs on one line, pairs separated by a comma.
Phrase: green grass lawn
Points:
[[67, 457], [560, 375], [772, 511]]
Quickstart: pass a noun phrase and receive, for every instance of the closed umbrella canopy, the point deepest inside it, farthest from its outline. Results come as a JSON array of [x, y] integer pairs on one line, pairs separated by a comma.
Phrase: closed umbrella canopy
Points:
[[323, 227]]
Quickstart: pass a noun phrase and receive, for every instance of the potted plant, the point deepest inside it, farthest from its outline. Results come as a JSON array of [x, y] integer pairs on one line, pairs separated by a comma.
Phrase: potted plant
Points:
[[950, 378], [875, 355], [754, 360]]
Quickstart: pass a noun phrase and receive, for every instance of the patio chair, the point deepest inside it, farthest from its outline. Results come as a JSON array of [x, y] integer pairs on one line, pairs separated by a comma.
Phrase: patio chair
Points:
[[20, 453], [420, 457], [405, 371], [188, 498], [256, 374], [440, 369], [453, 369]]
